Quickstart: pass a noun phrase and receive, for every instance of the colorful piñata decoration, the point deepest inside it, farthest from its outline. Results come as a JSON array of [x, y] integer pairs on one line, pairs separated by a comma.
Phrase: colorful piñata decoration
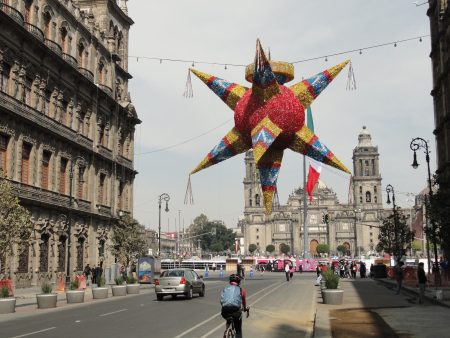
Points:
[[269, 118]]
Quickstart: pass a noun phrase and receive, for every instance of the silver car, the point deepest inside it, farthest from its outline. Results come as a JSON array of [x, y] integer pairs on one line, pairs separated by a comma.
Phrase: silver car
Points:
[[179, 282]]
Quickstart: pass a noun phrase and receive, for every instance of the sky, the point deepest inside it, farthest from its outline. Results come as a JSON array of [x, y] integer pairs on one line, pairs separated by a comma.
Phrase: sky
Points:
[[392, 97]]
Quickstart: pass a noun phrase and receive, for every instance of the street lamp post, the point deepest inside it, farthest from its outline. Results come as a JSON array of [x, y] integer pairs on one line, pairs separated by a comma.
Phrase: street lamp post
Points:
[[390, 190], [69, 215], [415, 145], [166, 198]]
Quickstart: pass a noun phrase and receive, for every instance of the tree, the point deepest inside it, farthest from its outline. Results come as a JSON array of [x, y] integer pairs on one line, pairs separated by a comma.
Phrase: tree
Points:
[[15, 221], [202, 229], [252, 248], [128, 242], [323, 248], [439, 212], [416, 246], [395, 237], [342, 249], [270, 248], [284, 248]]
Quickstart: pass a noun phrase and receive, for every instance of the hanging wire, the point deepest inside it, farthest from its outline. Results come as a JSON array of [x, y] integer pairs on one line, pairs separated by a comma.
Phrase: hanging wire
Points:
[[322, 57]]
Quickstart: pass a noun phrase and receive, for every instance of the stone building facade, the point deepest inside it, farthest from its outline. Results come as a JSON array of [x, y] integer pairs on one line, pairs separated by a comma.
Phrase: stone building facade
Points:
[[66, 129], [439, 14], [354, 225]]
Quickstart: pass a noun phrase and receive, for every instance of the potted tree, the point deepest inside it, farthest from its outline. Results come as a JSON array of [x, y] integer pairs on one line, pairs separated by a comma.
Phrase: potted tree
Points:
[[101, 291], [7, 303], [331, 294], [119, 289], [74, 295], [132, 285], [47, 299]]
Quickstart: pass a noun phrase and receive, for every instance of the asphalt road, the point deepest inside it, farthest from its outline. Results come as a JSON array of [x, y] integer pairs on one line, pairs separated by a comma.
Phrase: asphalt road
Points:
[[278, 309]]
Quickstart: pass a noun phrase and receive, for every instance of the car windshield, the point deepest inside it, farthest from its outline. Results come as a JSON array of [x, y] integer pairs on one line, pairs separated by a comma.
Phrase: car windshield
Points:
[[173, 273]]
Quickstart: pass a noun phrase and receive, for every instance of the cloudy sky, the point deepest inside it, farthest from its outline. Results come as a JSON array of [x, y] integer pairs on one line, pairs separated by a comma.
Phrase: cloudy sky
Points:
[[392, 97]]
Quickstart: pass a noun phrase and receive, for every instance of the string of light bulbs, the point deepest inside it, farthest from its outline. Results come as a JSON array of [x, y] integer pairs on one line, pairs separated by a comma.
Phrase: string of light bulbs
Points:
[[325, 56]]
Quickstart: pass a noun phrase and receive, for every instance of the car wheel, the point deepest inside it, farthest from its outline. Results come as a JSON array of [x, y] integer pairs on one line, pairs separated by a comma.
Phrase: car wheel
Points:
[[159, 297], [189, 294], [202, 293]]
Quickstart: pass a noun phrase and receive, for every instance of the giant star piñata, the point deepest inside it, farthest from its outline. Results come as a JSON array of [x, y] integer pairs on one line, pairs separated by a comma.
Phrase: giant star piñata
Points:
[[269, 118]]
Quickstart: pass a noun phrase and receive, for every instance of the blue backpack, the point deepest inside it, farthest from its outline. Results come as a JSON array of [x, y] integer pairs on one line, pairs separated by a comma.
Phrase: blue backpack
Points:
[[230, 297]]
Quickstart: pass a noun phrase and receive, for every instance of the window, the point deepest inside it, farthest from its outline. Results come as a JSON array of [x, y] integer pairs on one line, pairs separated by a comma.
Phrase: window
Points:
[[47, 19], [26, 153], [101, 187], [27, 16], [43, 257], [62, 176], [257, 236], [80, 187], [257, 230], [101, 134], [64, 39], [80, 54], [100, 71], [368, 197], [257, 200], [3, 152], [45, 169], [120, 196]]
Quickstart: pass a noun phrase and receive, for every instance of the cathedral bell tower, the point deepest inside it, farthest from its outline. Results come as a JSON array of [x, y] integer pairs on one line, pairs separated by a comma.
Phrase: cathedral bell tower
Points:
[[366, 190]]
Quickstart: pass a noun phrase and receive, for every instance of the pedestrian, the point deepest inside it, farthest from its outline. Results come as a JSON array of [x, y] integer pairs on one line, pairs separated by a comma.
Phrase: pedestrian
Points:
[[214, 266], [286, 270], [422, 279], [94, 274], [243, 271], [123, 272], [398, 276], [362, 270], [342, 270], [291, 271], [300, 268], [372, 269], [318, 270], [87, 271], [261, 269], [354, 269], [239, 270]]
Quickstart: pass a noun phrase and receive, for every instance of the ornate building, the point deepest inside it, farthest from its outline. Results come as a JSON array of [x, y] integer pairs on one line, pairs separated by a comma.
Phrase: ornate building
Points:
[[439, 14], [354, 225], [66, 129]]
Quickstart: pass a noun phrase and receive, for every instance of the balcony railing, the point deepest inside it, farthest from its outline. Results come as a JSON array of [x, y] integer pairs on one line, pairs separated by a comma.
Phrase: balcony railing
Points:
[[43, 121], [105, 152], [70, 59], [53, 46], [12, 13], [87, 73], [125, 162], [106, 89], [35, 31]]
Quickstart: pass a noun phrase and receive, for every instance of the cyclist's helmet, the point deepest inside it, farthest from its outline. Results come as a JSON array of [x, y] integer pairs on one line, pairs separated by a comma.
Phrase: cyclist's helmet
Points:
[[235, 279]]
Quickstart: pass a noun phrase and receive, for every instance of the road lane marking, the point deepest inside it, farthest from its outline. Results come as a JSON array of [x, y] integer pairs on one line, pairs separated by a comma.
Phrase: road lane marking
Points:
[[207, 334], [111, 313], [35, 332], [218, 314]]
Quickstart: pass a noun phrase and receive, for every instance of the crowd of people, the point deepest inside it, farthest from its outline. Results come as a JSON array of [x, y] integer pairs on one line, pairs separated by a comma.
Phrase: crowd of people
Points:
[[93, 273]]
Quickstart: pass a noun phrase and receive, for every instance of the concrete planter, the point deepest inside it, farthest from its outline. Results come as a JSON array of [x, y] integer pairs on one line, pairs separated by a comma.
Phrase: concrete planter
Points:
[[332, 296], [133, 289], [119, 290], [75, 296], [100, 293], [7, 305], [46, 300]]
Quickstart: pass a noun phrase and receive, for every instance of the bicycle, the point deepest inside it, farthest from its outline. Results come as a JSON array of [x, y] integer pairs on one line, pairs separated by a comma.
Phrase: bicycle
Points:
[[230, 330]]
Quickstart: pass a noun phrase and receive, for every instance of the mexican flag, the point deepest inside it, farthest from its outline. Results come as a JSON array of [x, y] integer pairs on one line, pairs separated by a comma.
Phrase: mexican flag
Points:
[[315, 168]]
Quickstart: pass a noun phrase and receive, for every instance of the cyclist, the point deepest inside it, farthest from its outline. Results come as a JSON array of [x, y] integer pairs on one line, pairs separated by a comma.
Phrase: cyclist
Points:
[[233, 301]]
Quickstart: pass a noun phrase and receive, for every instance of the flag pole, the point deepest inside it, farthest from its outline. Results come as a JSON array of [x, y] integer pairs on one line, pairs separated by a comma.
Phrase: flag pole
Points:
[[305, 213]]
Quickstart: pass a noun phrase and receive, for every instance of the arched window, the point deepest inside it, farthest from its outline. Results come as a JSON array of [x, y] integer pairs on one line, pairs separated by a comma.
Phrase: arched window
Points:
[[368, 197], [27, 14], [257, 200], [100, 72], [80, 54], [43, 257], [64, 39], [47, 20]]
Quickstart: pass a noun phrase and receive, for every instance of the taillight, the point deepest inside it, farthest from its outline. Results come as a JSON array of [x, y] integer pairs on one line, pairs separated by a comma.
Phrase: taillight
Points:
[[156, 282], [182, 281]]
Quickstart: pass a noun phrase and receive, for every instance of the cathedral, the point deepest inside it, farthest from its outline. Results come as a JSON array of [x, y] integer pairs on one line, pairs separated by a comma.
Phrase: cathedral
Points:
[[353, 225]]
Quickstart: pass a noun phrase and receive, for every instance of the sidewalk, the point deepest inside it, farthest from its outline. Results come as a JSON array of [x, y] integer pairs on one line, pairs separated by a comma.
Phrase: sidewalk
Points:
[[371, 309]]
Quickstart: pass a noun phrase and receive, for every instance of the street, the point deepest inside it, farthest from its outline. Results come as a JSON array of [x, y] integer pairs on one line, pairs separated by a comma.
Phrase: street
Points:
[[278, 309]]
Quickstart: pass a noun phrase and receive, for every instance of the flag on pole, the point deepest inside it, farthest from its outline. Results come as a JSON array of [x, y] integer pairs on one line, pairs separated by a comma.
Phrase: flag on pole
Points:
[[315, 168]]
